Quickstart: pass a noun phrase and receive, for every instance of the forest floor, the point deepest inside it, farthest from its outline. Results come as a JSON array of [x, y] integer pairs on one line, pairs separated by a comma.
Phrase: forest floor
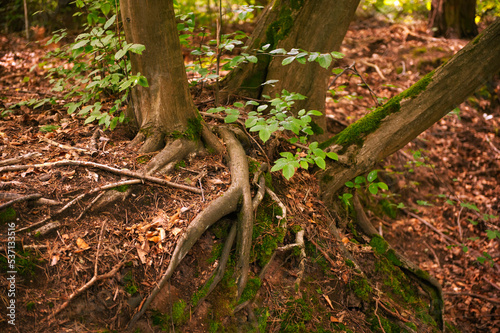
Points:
[[444, 183]]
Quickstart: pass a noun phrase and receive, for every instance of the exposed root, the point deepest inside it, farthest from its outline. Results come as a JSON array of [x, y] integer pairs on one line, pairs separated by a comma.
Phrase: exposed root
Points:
[[122, 172], [20, 199], [173, 152], [153, 142], [78, 198], [427, 282], [19, 159], [218, 208]]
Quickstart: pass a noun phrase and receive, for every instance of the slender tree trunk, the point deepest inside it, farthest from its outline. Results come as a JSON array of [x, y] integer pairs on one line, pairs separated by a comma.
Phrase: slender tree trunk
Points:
[[390, 127], [312, 25], [453, 18], [166, 106]]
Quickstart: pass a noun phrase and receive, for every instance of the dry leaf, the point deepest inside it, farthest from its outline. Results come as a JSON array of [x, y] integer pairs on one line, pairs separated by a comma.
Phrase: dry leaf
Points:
[[175, 231], [81, 244], [334, 320], [141, 253], [345, 240], [54, 260], [328, 301]]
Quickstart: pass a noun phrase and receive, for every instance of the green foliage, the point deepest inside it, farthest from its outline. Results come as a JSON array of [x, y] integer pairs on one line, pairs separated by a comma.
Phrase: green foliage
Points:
[[277, 116], [360, 287], [178, 316], [96, 66], [130, 286], [8, 215], [250, 290], [369, 181]]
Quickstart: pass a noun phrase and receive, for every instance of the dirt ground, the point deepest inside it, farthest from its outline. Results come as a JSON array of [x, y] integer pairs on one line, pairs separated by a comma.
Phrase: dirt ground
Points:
[[444, 183]]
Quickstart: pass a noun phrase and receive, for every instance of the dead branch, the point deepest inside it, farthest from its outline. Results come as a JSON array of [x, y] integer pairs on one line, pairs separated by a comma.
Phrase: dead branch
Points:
[[20, 199], [40, 201], [18, 159], [116, 171], [217, 209], [62, 146], [86, 286], [464, 293], [78, 198]]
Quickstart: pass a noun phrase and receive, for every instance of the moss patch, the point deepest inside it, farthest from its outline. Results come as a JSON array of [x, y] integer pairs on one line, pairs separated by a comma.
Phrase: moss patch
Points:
[[360, 287], [298, 314], [8, 215]]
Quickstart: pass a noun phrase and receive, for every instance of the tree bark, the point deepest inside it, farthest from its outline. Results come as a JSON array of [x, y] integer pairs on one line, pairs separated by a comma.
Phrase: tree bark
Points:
[[390, 127], [453, 18], [166, 106], [311, 25]]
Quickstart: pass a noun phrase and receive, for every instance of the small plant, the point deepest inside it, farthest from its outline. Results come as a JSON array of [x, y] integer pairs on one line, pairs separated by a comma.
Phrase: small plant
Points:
[[279, 118], [369, 181]]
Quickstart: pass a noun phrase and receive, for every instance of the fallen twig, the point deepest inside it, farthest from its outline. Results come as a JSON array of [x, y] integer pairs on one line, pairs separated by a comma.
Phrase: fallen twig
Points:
[[62, 146], [465, 293], [18, 159], [81, 196], [116, 171], [20, 199]]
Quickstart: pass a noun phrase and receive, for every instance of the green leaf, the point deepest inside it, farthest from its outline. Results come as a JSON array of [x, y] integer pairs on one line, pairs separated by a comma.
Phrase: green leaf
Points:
[[251, 103], [492, 234], [105, 8], [288, 171], [288, 60], [142, 81], [359, 180], [110, 22], [372, 175], [238, 105], [320, 162], [469, 206], [337, 55], [137, 48], [252, 59], [80, 44], [270, 82], [332, 155], [373, 188], [231, 118], [424, 203], [324, 60], [337, 71], [465, 249], [120, 54], [48, 128], [265, 134], [314, 113], [383, 186], [262, 107], [349, 184]]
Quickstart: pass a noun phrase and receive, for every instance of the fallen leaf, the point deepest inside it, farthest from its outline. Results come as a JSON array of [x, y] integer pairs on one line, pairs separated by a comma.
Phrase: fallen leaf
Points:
[[81, 244], [175, 231]]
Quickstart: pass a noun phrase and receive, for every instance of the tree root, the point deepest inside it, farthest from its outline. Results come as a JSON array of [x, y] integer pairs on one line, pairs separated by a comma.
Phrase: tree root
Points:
[[21, 199], [427, 282], [218, 208]]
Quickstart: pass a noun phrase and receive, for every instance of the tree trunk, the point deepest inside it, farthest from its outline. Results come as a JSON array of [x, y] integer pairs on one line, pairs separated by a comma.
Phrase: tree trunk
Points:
[[166, 106], [390, 127], [453, 18], [311, 25]]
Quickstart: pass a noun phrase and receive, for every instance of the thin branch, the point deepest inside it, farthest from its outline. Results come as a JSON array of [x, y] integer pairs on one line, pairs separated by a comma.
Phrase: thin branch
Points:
[[465, 293], [20, 199], [116, 171]]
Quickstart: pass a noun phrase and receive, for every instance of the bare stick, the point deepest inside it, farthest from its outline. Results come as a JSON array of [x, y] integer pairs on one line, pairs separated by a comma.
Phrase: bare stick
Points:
[[81, 196], [116, 171], [18, 159], [20, 199], [491, 300], [86, 286], [60, 145]]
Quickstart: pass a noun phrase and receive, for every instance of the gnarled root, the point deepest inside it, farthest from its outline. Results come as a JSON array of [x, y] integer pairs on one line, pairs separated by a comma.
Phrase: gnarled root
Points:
[[218, 208], [427, 282]]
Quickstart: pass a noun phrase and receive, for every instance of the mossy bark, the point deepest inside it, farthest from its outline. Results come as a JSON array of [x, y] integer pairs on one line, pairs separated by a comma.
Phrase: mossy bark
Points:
[[403, 118], [166, 106], [311, 25]]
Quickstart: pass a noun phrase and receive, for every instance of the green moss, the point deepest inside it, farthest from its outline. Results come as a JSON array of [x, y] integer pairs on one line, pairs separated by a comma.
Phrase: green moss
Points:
[[355, 132], [179, 315], [180, 164], [130, 286], [391, 255], [379, 244], [388, 208], [122, 188], [341, 328], [422, 274], [451, 328], [349, 263], [267, 232], [296, 228], [360, 287], [143, 159], [250, 290], [253, 165], [298, 314], [193, 131], [389, 326], [8, 215], [477, 39], [419, 50], [397, 282], [412, 326]]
